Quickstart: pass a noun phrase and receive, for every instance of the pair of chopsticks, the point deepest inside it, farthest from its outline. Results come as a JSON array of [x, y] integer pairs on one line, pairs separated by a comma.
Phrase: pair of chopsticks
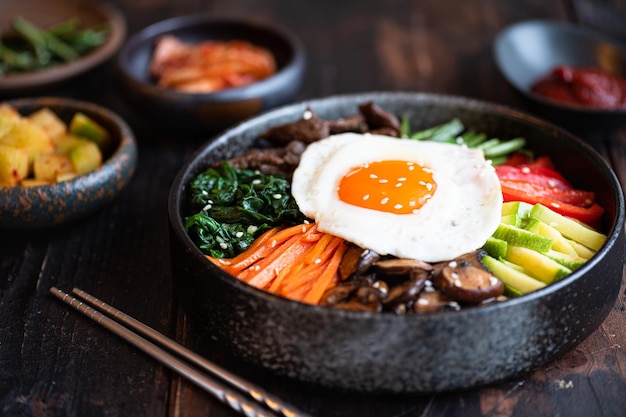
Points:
[[251, 401]]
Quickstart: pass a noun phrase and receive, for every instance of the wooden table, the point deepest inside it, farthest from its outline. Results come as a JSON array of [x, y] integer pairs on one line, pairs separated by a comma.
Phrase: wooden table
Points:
[[54, 362]]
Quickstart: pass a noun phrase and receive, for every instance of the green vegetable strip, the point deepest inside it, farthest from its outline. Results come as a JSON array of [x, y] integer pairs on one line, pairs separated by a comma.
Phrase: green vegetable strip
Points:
[[441, 132], [505, 148], [34, 37], [476, 140], [405, 127], [14, 59], [488, 144]]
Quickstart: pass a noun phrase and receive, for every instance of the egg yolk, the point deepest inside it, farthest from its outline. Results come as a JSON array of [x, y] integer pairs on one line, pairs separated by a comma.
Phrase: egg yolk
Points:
[[399, 187]]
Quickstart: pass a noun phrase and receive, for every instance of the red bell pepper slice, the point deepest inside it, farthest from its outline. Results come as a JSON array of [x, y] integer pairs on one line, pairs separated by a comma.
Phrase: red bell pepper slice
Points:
[[535, 175], [588, 215], [570, 196]]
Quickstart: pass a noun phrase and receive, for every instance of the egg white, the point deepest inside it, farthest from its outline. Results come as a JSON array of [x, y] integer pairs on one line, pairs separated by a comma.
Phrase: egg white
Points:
[[462, 213]]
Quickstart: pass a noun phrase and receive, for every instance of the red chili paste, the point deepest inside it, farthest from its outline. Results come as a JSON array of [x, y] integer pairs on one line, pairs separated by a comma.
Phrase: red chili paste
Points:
[[586, 86]]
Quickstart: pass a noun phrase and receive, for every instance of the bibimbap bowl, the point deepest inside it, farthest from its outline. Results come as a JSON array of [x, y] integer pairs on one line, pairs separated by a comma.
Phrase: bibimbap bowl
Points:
[[417, 353]]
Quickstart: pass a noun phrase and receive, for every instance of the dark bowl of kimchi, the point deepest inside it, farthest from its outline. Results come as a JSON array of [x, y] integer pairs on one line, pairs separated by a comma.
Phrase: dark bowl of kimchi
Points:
[[593, 99], [389, 353], [203, 108]]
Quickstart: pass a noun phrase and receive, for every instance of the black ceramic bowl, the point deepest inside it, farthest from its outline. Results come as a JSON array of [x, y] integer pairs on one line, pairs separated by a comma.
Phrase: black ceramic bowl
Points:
[[409, 353], [46, 13], [528, 51], [215, 110], [53, 204]]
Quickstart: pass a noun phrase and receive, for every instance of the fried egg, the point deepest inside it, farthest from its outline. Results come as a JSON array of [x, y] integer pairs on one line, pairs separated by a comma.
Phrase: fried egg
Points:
[[411, 199]]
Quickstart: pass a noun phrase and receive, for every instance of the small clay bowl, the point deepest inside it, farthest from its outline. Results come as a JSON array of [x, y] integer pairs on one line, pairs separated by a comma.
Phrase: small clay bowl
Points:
[[192, 111], [415, 353], [45, 13], [50, 205], [528, 51]]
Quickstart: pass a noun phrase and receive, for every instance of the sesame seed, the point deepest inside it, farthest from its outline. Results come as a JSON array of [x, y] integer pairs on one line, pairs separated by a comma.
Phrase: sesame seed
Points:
[[223, 245], [411, 167], [398, 206], [306, 222], [373, 176], [207, 207], [493, 280], [402, 179], [204, 192], [452, 264], [238, 234], [303, 229], [317, 261], [256, 181], [412, 203], [555, 205], [398, 185], [383, 181], [307, 115], [526, 170], [455, 276], [251, 229], [366, 197], [277, 196], [423, 302], [384, 200], [274, 243], [429, 186], [257, 267], [457, 283]]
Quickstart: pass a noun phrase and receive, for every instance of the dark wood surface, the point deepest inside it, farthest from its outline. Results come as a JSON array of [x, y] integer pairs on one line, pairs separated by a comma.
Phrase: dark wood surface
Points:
[[54, 362]]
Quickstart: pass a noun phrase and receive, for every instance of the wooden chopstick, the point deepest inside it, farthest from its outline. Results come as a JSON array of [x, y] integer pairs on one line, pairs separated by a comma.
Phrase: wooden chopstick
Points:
[[242, 404]]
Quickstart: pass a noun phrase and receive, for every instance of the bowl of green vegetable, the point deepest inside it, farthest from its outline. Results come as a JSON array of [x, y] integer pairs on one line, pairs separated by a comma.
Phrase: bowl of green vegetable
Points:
[[274, 282], [44, 43]]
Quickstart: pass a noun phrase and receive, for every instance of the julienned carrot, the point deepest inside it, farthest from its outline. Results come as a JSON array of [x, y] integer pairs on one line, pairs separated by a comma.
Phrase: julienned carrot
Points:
[[264, 271], [268, 270], [298, 262], [256, 251], [325, 280], [262, 247], [312, 271]]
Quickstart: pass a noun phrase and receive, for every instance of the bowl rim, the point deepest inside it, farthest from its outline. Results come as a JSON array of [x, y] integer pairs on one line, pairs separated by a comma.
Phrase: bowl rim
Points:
[[149, 33], [563, 27], [179, 184], [127, 140], [117, 33]]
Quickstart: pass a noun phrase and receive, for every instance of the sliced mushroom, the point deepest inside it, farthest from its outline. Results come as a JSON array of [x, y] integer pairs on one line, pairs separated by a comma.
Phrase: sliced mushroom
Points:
[[396, 266], [431, 301], [405, 293], [339, 293], [466, 280], [356, 261]]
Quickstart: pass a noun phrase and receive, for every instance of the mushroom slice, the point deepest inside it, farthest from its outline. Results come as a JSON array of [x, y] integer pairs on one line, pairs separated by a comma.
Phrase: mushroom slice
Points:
[[405, 293], [431, 301], [396, 266], [356, 261], [339, 293], [466, 280]]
